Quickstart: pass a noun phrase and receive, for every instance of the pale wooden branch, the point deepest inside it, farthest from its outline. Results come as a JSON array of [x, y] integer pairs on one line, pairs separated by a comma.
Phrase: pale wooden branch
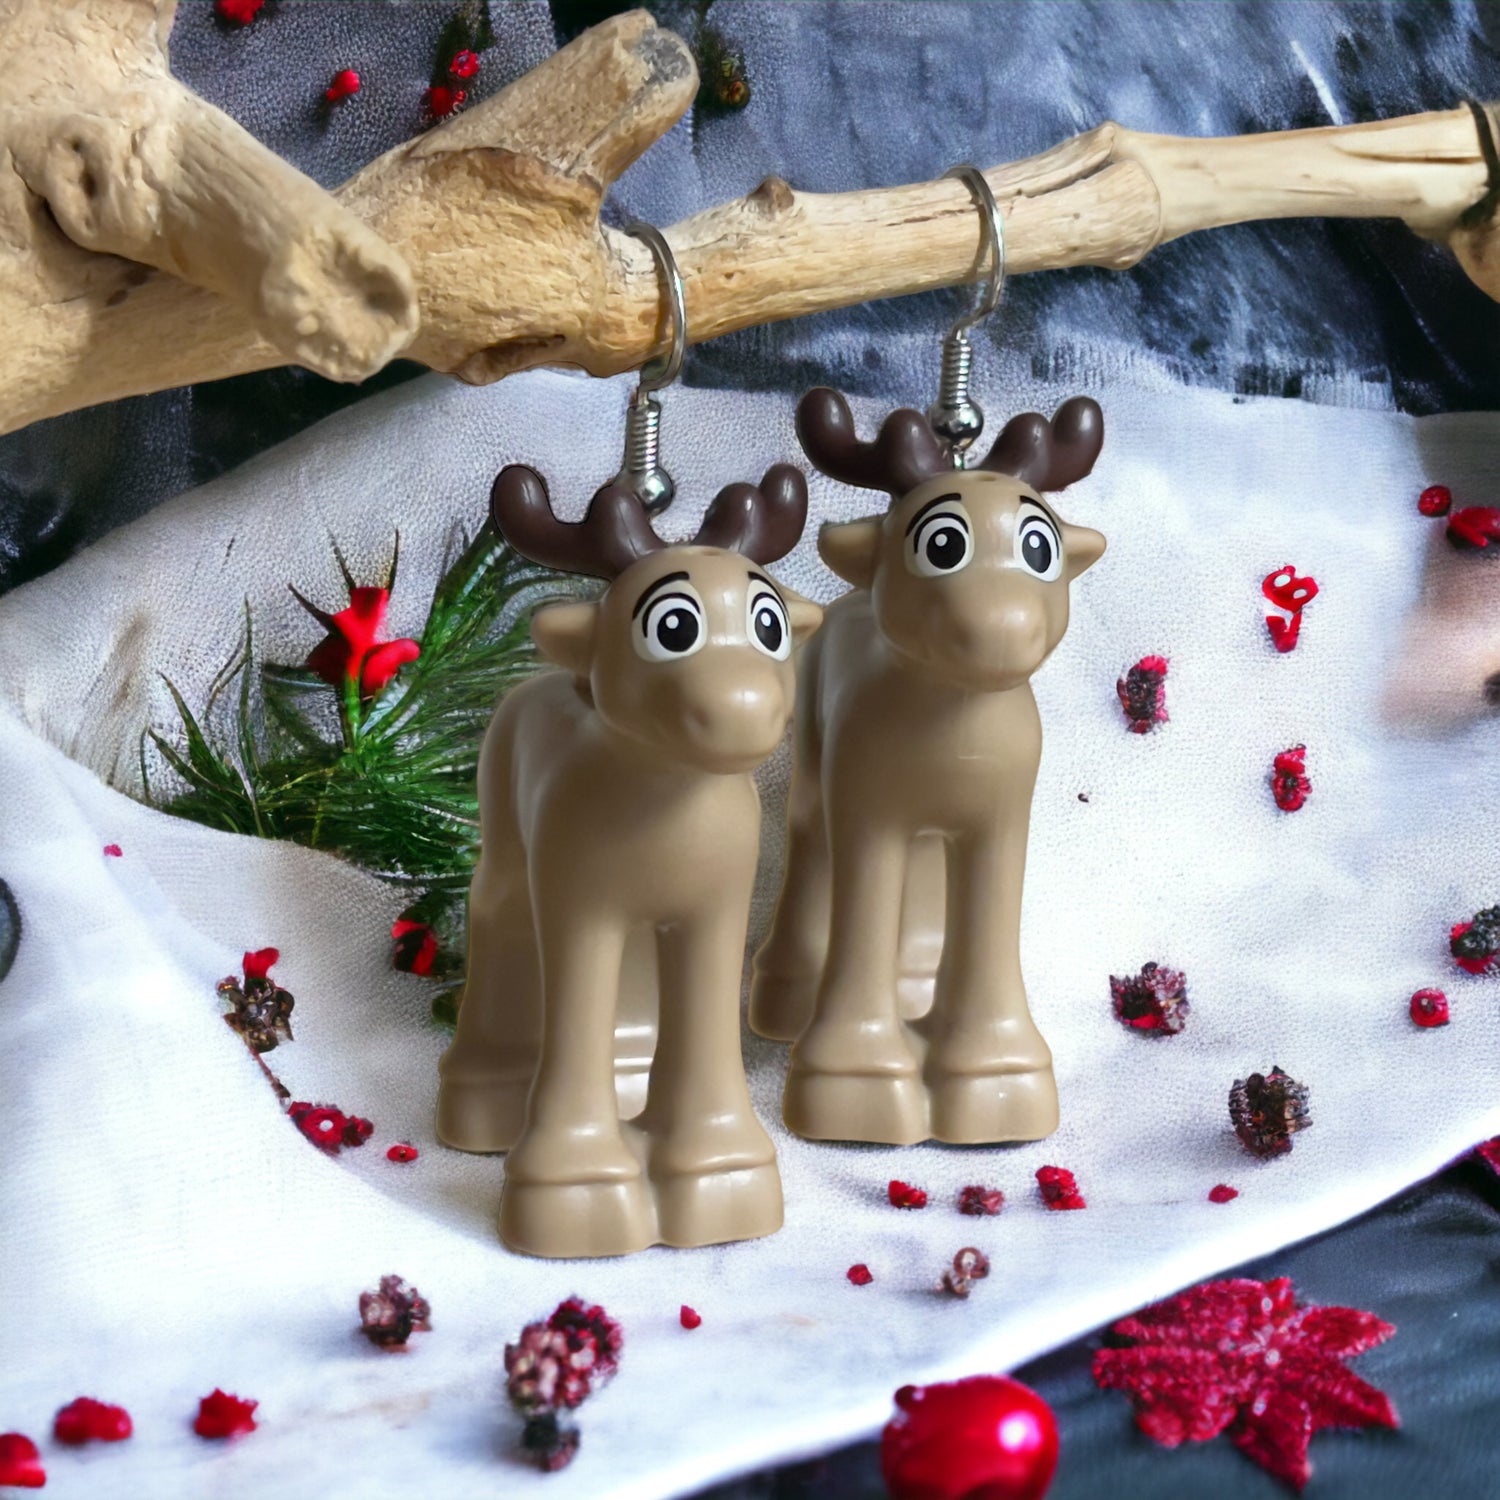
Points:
[[495, 213]]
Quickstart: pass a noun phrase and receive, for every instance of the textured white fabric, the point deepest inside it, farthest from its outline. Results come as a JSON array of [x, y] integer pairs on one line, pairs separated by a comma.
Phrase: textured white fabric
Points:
[[164, 1230]]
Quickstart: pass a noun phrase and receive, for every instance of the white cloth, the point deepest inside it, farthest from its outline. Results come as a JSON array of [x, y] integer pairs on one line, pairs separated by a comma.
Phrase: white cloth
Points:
[[163, 1229]]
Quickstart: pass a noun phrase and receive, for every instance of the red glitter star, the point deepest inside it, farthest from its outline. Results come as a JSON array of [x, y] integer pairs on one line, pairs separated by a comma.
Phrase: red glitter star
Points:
[[1244, 1356]]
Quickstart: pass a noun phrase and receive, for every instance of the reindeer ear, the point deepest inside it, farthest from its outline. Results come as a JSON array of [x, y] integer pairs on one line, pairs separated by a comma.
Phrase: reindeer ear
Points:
[[1082, 547], [564, 634], [805, 616], [851, 548]]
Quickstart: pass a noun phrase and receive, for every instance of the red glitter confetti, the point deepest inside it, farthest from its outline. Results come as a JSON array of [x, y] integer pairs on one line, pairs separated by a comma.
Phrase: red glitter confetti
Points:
[[1474, 527], [464, 65], [1289, 783], [238, 12], [1435, 500], [402, 1151], [985, 1438], [1058, 1188], [1143, 694], [221, 1415], [904, 1195], [114, 851], [416, 946], [1475, 944], [440, 101], [85, 1420], [1244, 1356], [1223, 1193], [257, 965], [1429, 1008], [980, 1202], [860, 1274], [345, 85], [688, 1317], [20, 1462]]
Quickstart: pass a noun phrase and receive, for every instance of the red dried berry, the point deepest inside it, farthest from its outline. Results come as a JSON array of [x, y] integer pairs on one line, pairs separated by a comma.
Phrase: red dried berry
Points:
[[1474, 528], [85, 1420], [859, 1274], [969, 1265], [464, 65], [221, 1415], [1154, 1000], [1289, 783], [238, 12], [1475, 945], [1435, 500], [1223, 1193], [589, 1328], [1058, 1188], [1143, 694], [345, 85], [984, 1438], [549, 1442], [114, 851], [20, 1462], [402, 1151], [1267, 1109], [904, 1195], [393, 1312], [441, 101], [979, 1201], [1429, 1008], [688, 1317]]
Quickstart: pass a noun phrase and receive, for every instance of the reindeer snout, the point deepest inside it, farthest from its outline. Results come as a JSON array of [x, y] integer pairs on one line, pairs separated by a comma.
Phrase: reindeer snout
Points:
[[997, 643], [734, 718]]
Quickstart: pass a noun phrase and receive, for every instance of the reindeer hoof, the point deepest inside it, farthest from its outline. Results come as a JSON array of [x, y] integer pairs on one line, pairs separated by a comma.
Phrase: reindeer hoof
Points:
[[781, 1005], [987, 1108], [887, 1108], [561, 1221], [713, 1208], [484, 1115]]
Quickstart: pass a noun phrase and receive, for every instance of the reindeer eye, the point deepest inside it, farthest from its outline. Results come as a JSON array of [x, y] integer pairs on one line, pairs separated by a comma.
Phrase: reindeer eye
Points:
[[941, 542], [769, 627], [1038, 547], [671, 626]]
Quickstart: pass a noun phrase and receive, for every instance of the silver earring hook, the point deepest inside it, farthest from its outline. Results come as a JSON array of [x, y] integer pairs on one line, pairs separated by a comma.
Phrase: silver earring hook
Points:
[[642, 469], [955, 416]]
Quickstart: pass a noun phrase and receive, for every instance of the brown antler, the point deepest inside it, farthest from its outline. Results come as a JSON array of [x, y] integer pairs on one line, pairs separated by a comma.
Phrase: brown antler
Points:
[[760, 521], [613, 534], [905, 452], [1049, 455]]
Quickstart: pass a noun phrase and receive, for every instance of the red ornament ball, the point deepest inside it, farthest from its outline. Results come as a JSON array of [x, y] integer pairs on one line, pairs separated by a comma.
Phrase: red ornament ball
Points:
[[1429, 1008], [20, 1462], [88, 1421], [1435, 500], [984, 1438]]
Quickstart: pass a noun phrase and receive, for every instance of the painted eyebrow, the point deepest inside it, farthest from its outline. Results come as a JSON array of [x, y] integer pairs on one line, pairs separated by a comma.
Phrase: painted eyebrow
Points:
[[1045, 509], [911, 525], [665, 578], [770, 583]]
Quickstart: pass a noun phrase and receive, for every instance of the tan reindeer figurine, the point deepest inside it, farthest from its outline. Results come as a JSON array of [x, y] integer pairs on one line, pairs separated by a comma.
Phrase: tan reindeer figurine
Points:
[[917, 744], [619, 814]]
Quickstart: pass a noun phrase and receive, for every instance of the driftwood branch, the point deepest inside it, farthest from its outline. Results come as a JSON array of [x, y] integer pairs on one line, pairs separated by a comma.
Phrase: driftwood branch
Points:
[[493, 219]]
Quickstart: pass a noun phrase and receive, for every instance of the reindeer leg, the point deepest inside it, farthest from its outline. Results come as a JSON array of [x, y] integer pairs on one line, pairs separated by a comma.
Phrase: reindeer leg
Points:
[[853, 1073], [784, 982], [988, 1069], [711, 1162], [573, 1187]]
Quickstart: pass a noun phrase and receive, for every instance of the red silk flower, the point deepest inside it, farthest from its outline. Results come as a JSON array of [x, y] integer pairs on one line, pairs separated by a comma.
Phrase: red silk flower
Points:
[[352, 648]]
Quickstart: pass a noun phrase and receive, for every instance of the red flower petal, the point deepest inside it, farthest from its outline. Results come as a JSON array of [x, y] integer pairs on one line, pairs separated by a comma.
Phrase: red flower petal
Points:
[[1275, 1433], [904, 1195], [1475, 526], [114, 851], [859, 1274], [1223, 1193], [238, 12], [20, 1462], [356, 1131], [384, 662], [689, 1318], [402, 1151], [1342, 1331], [257, 965], [1058, 1189], [85, 1420], [980, 1201], [221, 1415]]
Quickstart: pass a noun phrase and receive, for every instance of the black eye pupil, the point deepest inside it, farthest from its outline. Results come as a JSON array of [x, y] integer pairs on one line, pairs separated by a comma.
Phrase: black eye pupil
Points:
[[945, 547], [768, 629], [677, 630], [1037, 550]]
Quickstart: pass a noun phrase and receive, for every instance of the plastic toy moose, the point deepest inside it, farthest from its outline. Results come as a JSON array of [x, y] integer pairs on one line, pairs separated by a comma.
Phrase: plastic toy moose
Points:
[[917, 743], [619, 816]]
